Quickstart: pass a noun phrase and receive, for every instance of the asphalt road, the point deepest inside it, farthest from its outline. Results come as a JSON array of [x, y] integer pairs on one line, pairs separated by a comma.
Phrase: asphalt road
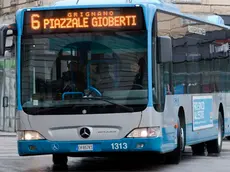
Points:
[[11, 162]]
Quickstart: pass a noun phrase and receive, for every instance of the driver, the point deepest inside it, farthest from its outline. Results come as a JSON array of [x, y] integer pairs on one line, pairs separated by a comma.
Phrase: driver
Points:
[[75, 78], [140, 69]]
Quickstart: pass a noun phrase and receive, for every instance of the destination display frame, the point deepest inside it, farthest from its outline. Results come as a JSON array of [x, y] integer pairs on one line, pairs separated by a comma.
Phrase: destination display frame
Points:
[[83, 20]]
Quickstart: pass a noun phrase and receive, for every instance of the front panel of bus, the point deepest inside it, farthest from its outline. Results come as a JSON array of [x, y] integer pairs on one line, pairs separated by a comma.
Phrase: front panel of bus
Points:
[[83, 79]]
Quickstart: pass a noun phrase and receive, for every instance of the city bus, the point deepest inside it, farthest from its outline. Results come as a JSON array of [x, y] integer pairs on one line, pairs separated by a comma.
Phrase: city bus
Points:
[[112, 78]]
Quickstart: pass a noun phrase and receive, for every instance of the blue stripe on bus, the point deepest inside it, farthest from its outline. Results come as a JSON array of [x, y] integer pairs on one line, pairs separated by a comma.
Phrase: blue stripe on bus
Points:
[[149, 21], [163, 144], [193, 137], [19, 19], [124, 145], [19, 106]]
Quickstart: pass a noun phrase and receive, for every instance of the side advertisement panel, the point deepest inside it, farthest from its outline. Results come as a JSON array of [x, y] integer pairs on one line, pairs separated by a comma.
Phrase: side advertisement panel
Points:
[[202, 107]]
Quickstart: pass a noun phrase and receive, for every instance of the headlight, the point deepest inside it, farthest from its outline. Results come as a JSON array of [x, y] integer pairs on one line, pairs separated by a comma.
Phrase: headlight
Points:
[[145, 132], [29, 135]]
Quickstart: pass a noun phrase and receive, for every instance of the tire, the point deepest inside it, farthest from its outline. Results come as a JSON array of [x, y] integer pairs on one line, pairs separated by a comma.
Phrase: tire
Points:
[[182, 139], [215, 146], [228, 137], [174, 157], [60, 160], [198, 149]]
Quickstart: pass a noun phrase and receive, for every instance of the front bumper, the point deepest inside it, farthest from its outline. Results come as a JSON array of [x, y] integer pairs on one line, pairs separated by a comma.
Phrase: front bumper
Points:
[[41, 147]]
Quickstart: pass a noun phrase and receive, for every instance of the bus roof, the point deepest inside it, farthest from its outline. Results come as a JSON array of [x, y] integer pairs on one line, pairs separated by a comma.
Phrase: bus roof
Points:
[[161, 3]]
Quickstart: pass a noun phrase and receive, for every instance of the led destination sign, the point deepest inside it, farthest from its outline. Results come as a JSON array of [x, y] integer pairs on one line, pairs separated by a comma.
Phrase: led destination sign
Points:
[[78, 20]]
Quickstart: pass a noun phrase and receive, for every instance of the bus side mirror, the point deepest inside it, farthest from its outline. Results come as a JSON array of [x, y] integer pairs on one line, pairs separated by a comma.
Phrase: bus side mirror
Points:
[[164, 49], [6, 39]]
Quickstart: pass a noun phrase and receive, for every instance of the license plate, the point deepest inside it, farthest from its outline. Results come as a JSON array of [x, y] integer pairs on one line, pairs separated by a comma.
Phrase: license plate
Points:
[[88, 147]]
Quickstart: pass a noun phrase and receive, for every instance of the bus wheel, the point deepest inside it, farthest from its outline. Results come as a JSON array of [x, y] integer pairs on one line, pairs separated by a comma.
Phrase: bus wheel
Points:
[[215, 146], [60, 160], [198, 149], [174, 157]]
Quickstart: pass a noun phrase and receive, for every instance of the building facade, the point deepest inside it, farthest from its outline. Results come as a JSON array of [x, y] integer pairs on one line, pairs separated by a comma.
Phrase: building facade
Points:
[[205, 7], [8, 64], [9, 7]]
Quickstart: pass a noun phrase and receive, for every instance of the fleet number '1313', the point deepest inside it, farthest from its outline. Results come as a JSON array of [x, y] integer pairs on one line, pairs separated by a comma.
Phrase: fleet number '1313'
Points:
[[118, 146]]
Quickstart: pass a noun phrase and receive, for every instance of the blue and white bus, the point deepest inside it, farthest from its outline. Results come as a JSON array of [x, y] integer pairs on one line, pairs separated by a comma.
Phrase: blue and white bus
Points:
[[102, 78]]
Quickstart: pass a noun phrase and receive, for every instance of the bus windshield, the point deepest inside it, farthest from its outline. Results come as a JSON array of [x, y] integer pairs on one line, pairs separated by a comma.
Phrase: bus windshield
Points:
[[58, 72]]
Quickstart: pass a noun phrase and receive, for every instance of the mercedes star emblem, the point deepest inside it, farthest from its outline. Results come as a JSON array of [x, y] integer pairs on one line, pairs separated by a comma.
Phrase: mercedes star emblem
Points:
[[85, 133]]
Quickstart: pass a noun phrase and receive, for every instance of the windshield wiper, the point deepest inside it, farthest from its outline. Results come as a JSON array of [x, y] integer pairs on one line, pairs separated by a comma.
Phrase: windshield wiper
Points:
[[129, 109]]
